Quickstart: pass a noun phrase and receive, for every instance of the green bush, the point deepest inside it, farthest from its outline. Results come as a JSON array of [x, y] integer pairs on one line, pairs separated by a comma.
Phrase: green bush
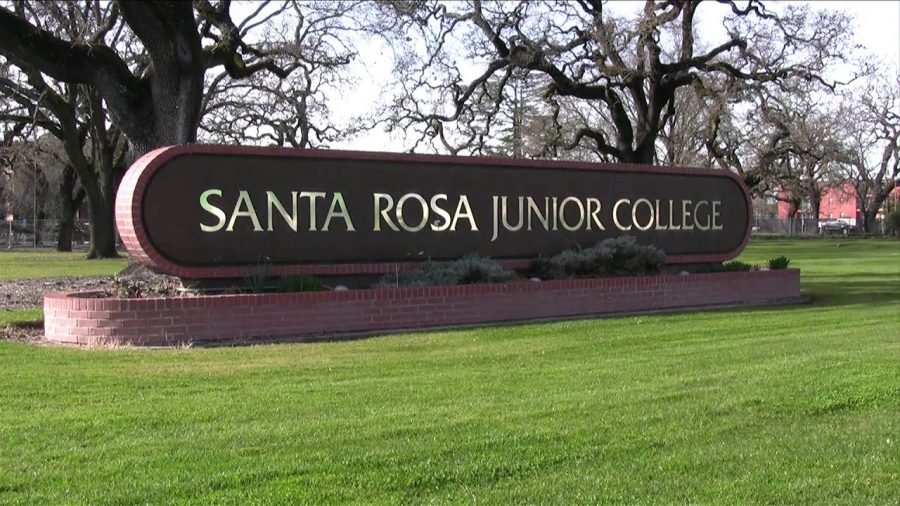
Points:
[[300, 283], [621, 256], [736, 266], [733, 266], [781, 262], [471, 269], [893, 221]]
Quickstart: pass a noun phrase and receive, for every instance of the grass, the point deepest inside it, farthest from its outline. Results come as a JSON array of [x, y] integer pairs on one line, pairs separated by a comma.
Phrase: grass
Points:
[[790, 404], [22, 264], [33, 316]]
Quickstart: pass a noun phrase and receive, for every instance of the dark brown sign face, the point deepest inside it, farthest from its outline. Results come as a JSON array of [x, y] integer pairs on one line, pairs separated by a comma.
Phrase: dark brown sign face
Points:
[[197, 209]]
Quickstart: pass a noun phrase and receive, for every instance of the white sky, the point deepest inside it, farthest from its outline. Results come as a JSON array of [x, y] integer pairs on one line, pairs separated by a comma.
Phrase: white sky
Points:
[[877, 30]]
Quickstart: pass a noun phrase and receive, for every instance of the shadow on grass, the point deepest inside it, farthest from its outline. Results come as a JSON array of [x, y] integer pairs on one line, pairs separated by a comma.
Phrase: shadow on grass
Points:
[[837, 293], [30, 324]]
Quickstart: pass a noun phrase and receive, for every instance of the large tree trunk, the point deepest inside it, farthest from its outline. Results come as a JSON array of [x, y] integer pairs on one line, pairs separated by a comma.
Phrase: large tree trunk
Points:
[[102, 206], [64, 235], [870, 224], [69, 202], [815, 204], [103, 231]]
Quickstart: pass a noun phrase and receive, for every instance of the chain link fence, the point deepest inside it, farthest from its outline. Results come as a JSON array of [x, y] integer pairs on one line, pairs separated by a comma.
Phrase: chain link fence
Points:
[[802, 226], [26, 233]]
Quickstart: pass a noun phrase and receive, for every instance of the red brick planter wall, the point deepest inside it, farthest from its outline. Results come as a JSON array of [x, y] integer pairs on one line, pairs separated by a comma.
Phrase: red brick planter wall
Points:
[[82, 318]]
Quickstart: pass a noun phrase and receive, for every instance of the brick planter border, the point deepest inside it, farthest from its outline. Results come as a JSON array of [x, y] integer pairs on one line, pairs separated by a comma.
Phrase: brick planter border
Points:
[[86, 318]]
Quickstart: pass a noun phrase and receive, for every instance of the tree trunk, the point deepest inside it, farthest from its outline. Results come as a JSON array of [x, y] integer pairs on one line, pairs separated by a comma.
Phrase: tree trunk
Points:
[[66, 227], [815, 203], [870, 225], [101, 202], [103, 231], [69, 202]]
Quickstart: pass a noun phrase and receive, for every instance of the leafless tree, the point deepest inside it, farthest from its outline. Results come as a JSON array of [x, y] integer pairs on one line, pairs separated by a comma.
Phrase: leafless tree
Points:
[[315, 47], [155, 101], [621, 75], [871, 126], [77, 116]]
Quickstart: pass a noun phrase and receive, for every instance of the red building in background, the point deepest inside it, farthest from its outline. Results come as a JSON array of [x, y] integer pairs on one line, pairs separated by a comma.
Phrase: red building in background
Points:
[[838, 204]]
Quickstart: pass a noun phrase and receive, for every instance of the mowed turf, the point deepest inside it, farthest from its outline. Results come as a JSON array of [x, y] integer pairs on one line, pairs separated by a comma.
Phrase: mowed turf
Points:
[[795, 404], [23, 264]]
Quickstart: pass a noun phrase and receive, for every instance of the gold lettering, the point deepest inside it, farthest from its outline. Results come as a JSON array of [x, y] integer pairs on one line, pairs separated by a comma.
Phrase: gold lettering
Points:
[[464, 203], [657, 214], [696, 220], [686, 215], [634, 214], [496, 216], [555, 211], [672, 216], [244, 197], [291, 219], [504, 214], [715, 215], [338, 202], [616, 214], [591, 202], [213, 210], [445, 216], [312, 207], [418, 198], [562, 214], [380, 213], [533, 210]]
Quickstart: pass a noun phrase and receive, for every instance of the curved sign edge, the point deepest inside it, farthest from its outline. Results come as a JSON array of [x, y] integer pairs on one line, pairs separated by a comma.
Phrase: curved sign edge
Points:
[[130, 223]]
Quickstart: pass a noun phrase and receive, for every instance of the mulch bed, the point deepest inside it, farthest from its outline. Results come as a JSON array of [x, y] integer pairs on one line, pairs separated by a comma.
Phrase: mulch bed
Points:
[[29, 293]]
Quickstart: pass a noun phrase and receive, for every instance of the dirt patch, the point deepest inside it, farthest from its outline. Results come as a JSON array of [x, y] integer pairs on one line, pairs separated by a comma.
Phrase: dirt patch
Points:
[[29, 293]]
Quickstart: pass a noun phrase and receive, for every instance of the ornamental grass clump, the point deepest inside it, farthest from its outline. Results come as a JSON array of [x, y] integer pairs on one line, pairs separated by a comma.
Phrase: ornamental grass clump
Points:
[[621, 256], [737, 266], [777, 263], [468, 270], [300, 283]]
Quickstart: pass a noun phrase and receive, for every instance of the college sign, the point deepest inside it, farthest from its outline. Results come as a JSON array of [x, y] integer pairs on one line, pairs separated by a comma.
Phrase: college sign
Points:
[[215, 211]]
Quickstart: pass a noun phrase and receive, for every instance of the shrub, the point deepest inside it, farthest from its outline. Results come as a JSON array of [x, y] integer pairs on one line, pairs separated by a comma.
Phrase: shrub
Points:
[[258, 280], [733, 266], [621, 256], [781, 262], [893, 221], [736, 266], [300, 283], [471, 269]]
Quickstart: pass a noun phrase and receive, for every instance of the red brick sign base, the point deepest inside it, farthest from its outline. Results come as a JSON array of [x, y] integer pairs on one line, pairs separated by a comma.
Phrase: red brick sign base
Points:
[[85, 318]]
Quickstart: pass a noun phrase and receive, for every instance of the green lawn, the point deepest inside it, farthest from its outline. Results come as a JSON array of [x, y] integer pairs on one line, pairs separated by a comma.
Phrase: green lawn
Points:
[[793, 404], [21, 317], [21, 264]]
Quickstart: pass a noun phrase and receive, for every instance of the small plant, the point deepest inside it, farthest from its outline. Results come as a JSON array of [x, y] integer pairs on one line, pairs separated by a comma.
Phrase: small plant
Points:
[[736, 266], [258, 280], [300, 283], [781, 262]]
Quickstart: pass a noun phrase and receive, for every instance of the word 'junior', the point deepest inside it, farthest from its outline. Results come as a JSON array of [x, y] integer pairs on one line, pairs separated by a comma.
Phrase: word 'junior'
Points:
[[413, 212]]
